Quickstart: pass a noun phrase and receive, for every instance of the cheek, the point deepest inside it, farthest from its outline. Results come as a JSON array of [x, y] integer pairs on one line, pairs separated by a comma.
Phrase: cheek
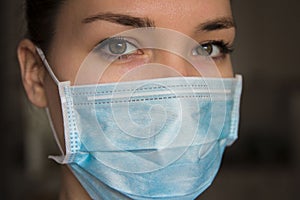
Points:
[[225, 67], [65, 61]]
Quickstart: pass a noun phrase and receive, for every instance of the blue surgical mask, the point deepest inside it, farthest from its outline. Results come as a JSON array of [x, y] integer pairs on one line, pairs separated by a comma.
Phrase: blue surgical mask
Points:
[[148, 139]]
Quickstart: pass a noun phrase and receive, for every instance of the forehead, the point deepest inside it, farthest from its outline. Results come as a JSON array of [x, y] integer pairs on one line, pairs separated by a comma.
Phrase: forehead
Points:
[[166, 13]]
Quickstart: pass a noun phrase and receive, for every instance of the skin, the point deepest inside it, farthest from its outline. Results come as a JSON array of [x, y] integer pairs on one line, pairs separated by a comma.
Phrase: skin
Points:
[[73, 40]]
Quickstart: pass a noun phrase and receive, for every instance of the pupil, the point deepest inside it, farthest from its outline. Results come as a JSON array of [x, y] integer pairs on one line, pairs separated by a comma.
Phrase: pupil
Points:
[[118, 46], [208, 48]]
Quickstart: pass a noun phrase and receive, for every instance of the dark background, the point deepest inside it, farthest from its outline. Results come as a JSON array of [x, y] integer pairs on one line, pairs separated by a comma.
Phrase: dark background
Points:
[[264, 164]]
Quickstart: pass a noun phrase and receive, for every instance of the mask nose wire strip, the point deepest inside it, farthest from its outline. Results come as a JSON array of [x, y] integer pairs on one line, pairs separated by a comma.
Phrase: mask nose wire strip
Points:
[[43, 57]]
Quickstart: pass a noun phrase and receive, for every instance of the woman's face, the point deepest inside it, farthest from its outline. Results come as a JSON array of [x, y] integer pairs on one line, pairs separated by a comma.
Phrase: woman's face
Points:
[[82, 25]]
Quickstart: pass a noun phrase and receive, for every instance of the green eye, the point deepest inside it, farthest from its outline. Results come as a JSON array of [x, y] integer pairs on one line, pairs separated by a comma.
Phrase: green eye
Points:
[[202, 50], [208, 48], [117, 46], [213, 49]]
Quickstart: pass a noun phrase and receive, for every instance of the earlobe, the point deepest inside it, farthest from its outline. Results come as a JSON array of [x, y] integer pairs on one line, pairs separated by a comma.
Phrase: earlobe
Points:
[[32, 72]]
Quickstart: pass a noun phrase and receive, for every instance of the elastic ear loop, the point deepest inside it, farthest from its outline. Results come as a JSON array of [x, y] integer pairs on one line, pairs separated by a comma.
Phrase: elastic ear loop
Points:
[[44, 60], [43, 57]]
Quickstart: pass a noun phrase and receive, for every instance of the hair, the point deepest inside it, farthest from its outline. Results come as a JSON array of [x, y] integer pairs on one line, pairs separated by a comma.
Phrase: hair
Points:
[[41, 19]]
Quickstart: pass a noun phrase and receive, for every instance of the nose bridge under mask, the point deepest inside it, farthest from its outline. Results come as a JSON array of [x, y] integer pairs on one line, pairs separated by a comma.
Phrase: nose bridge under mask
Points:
[[176, 64]]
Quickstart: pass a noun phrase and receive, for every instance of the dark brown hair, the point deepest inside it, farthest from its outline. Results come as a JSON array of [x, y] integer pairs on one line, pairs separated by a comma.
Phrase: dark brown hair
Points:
[[41, 19]]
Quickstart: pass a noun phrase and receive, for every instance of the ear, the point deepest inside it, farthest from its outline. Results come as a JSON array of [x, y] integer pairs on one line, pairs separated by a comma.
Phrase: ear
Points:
[[32, 72]]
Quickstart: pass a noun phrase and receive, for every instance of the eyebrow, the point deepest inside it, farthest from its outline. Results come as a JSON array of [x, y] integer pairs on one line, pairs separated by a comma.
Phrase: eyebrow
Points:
[[217, 24], [138, 22], [125, 20]]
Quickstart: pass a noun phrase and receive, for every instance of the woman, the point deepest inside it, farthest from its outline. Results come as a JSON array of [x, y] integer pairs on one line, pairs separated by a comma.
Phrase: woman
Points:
[[96, 44]]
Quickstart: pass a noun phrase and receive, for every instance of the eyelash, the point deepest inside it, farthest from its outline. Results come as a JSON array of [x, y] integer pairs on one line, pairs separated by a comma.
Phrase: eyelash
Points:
[[103, 45], [224, 48]]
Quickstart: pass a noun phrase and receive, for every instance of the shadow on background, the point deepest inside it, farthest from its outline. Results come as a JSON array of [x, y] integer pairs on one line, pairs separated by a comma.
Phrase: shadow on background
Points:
[[263, 164]]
